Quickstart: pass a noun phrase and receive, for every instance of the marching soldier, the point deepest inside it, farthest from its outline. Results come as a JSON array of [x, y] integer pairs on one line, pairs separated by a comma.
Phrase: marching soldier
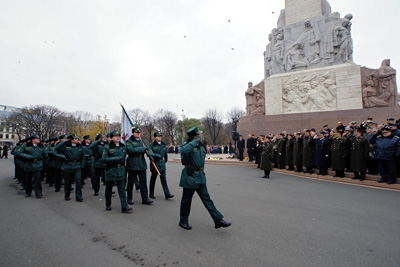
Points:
[[193, 179], [87, 168], [58, 163], [159, 151], [136, 165], [72, 153], [51, 161], [114, 155], [98, 164], [359, 154], [20, 174], [33, 154]]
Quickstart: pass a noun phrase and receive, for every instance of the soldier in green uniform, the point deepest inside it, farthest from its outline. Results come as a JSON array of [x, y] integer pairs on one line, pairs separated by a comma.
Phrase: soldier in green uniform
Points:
[[193, 179], [72, 154], [298, 152], [51, 160], [114, 155], [33, 154], [99, 166], [159, 151], [87, 168], [20, 174], [58, 163], [136, 165]]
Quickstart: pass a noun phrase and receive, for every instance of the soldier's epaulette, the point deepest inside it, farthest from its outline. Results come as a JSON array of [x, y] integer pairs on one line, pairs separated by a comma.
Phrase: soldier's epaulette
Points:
[[397, 137]]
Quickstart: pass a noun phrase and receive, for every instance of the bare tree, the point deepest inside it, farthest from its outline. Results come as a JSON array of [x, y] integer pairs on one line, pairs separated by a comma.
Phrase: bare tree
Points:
[[137, 116], [166, 121], [213, 124], [43, 120], [149, 126], [234, 117]]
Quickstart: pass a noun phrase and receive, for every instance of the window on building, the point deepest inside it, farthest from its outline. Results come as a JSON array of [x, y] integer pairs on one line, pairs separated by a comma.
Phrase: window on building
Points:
[[12, 136], [1, 135], [6, 136]]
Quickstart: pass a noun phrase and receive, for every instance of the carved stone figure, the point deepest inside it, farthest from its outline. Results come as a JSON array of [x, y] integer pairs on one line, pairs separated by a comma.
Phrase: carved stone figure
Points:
[[370, 97], [268, 57], [255, 99], [296, 58], [387, 80], [310, 42], [278, 52], [343, 42]]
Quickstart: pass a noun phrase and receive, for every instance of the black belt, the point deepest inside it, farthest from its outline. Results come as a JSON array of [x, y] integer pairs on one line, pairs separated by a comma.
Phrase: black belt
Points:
[[73, 161], [137, 156], [159, 159], [198, 170]]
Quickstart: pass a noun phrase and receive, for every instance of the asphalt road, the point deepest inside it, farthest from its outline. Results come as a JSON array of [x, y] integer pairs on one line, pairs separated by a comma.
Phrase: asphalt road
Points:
[[283, 221]]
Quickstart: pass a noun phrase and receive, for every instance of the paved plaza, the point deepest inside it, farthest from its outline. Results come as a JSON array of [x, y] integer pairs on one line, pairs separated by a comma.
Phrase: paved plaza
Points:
[[282, 221]]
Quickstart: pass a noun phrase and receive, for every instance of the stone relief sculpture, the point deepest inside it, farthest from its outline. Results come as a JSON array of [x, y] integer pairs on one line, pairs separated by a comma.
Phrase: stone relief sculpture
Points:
[[309, 93], [255, 99], [380, 88], [318, 42]]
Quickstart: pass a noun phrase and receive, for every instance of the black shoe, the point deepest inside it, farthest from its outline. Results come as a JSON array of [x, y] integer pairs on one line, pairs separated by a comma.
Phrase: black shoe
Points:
[[355, 177], [79, 199], [67, 199], [362, 178], [126, 210], [130, 202], [152, 196], [382, 181], [39, 195], [391, 182], [108, 208], [147, 202], [113, 192], [185, 226], [72, 189], [264, 176], [170, 196], [96, 194], [222, 223], [22, 188], [27, 195], [57, 190], [267, 177]]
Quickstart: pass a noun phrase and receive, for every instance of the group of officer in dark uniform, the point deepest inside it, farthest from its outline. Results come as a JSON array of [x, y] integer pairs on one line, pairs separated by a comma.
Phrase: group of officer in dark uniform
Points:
[[354, 148], [68, 159]]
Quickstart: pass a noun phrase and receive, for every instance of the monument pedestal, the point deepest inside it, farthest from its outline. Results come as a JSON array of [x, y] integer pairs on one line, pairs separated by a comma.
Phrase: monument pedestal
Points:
[[261, 124]]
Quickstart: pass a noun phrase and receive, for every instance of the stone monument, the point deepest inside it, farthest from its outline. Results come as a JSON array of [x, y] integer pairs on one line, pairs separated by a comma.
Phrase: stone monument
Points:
[[309, 74]]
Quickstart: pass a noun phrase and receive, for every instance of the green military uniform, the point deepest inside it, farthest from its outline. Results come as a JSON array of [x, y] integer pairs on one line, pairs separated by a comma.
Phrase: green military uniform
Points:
[[114, 156], [58, 163], [298, 153], [193, 179], [87, 168], [73, 157], [99, 166], [159, 151], [136, 166], [51, 161], [20, 174], [33, 155]]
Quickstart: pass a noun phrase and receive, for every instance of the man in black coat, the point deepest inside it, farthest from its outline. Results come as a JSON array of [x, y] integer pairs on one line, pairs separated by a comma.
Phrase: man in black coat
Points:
[[240, 146], [250, 147]]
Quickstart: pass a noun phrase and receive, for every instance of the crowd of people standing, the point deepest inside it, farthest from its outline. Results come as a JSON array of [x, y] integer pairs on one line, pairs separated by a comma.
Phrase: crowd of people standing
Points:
[[360, 149]]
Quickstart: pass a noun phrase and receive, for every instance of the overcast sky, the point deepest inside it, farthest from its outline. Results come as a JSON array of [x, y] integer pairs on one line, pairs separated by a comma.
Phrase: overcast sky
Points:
[[93, 55]]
